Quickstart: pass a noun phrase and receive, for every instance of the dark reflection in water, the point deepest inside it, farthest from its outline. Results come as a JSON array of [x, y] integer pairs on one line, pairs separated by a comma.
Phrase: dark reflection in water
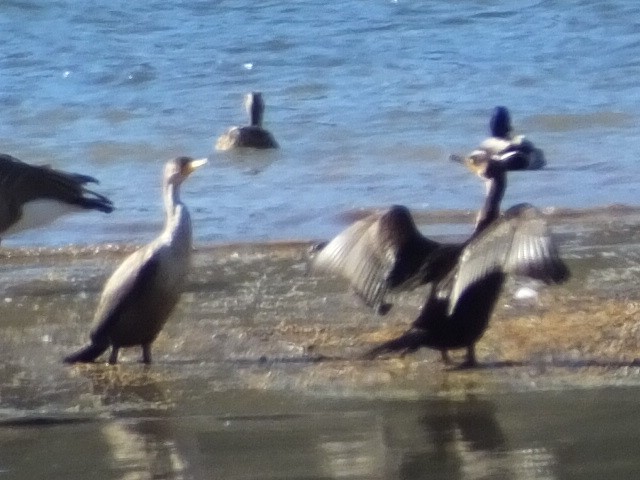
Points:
[[249, 162], [547, 435], [455, 431], [145, 448]]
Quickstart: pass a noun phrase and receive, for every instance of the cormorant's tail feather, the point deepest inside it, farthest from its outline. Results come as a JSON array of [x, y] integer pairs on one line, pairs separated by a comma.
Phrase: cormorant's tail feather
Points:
[[408, 342], [87, 354]]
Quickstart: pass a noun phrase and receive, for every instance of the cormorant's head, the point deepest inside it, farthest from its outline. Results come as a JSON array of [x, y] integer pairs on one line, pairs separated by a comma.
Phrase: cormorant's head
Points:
[[500, 123], [178, 169]]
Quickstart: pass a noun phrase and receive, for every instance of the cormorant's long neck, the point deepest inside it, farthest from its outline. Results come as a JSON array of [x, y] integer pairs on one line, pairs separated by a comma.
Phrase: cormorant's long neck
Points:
[[491, 208], [177, 228], [171, 199]]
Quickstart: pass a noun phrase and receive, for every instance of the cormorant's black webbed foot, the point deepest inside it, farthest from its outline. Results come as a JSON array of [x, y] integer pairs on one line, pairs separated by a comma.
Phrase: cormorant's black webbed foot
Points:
[[470, 361], [446, 359]]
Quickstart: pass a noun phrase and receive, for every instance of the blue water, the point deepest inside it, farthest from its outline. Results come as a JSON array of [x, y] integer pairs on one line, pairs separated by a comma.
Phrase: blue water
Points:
[[367, 100]]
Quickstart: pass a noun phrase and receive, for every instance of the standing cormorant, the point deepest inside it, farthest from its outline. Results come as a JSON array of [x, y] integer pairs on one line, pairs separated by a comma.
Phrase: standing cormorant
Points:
[[142, 292], [386, 252], [33, 195], [252, 135]]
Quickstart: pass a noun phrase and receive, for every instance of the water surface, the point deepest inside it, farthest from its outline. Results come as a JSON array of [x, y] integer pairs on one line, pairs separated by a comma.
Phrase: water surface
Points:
[[367, 101]]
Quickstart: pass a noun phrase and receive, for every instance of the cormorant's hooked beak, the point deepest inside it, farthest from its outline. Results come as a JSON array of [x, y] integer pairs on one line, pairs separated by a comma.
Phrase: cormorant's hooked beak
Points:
[[476, 161], [195, 164]]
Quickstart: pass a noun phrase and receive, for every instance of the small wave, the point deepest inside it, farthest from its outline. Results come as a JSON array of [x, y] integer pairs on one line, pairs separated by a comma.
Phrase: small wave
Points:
[[139, 75], [571, 122]]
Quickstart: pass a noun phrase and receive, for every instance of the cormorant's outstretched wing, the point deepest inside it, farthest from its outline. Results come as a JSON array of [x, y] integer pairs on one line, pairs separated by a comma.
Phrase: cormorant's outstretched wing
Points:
[[382, 252], [517, 243]]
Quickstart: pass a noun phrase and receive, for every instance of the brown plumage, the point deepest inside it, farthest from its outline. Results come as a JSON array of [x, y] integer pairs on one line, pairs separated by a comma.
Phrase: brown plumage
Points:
[[385, 252], [143, 291], [252, 135]]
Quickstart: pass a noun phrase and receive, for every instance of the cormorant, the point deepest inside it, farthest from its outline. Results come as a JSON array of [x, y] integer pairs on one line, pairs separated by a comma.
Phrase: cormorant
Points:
[[386, 252], [32, 195], [252, 135], [142, 292]]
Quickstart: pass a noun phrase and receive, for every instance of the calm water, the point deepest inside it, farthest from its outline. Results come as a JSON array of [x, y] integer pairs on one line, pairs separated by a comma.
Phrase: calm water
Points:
[[469, 438], [367, 100]]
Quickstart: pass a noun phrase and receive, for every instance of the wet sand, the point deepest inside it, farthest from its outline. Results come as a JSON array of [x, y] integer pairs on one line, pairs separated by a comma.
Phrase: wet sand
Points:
[[261, 358]]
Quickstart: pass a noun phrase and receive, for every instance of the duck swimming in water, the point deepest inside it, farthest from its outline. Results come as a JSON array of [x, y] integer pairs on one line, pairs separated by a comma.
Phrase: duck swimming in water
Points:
[[252, 135], [385, 252], [502, 140]]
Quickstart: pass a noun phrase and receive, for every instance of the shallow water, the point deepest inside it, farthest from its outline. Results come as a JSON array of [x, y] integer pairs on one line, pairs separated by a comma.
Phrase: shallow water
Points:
[[367, 101], [257, 374], [548, 435]]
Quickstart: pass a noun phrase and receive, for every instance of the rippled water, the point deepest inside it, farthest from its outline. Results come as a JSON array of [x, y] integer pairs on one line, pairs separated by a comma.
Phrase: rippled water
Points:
[[366, 99]]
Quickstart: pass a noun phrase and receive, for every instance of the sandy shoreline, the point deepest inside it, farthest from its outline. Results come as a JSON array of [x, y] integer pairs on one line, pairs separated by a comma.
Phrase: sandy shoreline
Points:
[[259, 370], [252, 317]]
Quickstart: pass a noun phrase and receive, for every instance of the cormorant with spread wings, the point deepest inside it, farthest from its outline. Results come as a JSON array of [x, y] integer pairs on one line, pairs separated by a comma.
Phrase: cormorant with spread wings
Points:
[[385, 252]]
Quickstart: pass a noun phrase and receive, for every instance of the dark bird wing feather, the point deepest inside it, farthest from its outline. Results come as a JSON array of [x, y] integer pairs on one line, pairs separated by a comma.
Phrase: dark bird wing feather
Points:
[[126, 285], [382, 252], [20, 177], [518, 243]]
